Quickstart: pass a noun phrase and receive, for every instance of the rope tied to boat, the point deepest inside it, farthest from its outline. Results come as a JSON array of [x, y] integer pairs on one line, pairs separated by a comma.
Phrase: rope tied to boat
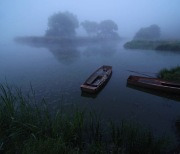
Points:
[[143, 73]]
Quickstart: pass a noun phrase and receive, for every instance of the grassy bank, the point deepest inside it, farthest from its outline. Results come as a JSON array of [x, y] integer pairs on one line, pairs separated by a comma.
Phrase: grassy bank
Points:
[[153, 45], [150, 45], [172, 74], [26, 126]]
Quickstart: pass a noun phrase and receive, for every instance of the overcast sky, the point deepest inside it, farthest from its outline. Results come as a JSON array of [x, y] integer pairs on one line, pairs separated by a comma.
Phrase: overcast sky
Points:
[[29, 17]]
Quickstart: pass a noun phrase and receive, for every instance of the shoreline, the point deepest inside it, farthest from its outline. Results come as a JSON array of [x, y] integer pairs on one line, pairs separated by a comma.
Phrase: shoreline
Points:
[[29, 127], [153, 45], [80, 41]]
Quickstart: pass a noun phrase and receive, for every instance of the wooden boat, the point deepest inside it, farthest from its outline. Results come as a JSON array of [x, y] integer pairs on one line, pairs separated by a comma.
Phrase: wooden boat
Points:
[[154, 83], [97, 80]]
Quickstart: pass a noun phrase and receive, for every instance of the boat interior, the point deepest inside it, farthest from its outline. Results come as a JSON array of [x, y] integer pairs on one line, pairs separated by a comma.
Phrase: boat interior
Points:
[[97, 77]]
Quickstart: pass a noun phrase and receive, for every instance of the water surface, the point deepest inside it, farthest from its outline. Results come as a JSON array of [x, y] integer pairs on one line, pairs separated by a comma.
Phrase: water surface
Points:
[[56, 74]]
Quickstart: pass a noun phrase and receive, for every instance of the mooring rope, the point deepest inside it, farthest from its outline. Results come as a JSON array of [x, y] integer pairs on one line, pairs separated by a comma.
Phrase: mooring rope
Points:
[[143, 73]]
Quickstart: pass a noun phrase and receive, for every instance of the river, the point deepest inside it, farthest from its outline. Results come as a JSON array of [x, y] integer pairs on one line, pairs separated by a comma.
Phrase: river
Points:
[[56, 74]]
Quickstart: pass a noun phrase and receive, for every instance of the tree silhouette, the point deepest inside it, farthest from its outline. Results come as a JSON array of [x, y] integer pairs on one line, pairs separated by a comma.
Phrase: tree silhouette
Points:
[[62, 25], [152, 32], [108, 29], [91, 27]]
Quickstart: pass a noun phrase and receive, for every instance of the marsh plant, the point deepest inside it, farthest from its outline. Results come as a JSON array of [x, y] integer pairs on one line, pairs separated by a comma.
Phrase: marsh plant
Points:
[[172, 74], [27, 126]]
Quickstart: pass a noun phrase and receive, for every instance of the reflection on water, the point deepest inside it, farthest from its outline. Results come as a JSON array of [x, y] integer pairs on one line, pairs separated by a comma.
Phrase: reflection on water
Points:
[[177, 131], [65, 55], [69, 53], [57, 72], [87, 95], [167, 53], [155, 92], [102, 49]]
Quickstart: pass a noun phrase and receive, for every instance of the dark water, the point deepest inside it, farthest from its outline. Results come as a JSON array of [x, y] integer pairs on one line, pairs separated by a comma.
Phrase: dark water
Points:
[[57, 73]]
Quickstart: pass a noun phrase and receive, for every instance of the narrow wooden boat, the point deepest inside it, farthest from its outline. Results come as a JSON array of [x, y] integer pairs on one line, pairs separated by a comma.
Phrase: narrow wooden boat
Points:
[[97, 80], [154, 83]]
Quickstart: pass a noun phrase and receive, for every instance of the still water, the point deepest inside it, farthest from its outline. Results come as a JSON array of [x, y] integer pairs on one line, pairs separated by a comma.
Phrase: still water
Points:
[[56, 74]]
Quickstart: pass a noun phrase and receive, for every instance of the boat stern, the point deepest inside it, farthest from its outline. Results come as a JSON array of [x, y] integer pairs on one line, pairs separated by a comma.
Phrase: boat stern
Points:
[[88, 89]]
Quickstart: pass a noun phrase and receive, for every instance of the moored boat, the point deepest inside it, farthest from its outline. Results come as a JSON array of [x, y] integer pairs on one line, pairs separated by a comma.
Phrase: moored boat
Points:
[[154, 83], [97, 80]]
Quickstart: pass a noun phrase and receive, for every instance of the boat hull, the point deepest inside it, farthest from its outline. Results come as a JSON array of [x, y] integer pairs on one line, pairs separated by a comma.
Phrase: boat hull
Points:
[[96, 84]]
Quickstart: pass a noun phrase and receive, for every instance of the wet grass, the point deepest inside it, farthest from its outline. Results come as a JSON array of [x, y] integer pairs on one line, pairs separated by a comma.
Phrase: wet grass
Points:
[[172, 74], [27, 126]]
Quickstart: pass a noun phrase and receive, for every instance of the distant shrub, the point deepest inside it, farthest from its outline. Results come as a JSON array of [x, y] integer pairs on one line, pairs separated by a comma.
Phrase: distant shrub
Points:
[[148, 33]]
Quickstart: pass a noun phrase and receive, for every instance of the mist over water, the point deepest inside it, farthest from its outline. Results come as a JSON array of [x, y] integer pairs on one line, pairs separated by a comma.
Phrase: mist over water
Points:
[[56, 71], [29, 17]]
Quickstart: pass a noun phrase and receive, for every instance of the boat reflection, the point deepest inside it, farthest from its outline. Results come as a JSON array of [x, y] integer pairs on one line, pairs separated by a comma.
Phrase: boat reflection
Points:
[[174, 97], [177, 130], [88, 95]]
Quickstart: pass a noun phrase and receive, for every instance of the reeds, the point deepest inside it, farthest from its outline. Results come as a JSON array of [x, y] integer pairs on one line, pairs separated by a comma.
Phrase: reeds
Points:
[[172, 74], [27, 126]]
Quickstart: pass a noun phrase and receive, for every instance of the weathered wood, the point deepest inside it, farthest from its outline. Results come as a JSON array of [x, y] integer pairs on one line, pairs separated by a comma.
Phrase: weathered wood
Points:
[[97, 80]]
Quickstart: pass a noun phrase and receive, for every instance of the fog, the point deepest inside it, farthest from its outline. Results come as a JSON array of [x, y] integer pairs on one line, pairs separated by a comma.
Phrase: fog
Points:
[[29, 17], [59, 60]]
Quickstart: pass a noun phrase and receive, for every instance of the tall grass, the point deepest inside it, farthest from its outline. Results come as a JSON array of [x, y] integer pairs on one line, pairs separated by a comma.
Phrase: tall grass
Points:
[[172, 74], [26, 126]]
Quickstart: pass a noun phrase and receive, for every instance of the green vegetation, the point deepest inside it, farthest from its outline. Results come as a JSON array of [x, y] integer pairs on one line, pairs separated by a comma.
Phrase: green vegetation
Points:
[[62, 28], [152, 32], [108, 29], [150, 45], [62, 25], [105, 29], [27, 126], [172, 74], [153, 45], [148, 39], [91, 27]]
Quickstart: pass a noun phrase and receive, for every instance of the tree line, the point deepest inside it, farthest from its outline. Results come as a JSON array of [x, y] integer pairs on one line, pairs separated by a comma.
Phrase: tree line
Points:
[[64, 25]]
